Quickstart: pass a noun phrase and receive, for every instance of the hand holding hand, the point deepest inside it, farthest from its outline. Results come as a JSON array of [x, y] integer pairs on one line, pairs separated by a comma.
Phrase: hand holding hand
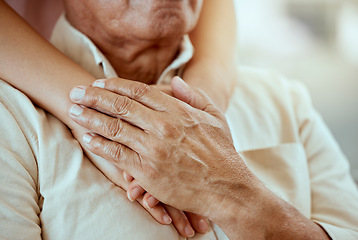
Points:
[[185, 157], [150, 134], [185, 223]]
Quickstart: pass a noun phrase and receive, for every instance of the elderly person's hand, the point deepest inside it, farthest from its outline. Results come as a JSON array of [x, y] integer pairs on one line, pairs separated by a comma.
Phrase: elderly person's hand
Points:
[[150, 131], [186, 223], [185, 157]]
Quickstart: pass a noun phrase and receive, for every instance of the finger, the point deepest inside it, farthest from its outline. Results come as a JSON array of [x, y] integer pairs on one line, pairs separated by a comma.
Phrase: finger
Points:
[[180, 222], [158, 212], [199, 223], [194, 97], [143, 93], [185, 93], [149, 200], [109, 127], [164, 88], [127, 177], [120, 155], [114, 105], [134, 191]]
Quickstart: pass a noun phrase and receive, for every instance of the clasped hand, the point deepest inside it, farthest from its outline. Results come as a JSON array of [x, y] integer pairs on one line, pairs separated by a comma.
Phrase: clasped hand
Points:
[[171, 147]]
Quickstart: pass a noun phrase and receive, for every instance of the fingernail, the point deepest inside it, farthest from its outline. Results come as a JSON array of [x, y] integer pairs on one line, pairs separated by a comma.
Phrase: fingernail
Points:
[[134, 194], [151, 202], [167, 219], [87, 138], [99, 83], [76, 110], [189, 231], [77, 94], [181, 80], [126, 177], [129, 197], [203, 225]]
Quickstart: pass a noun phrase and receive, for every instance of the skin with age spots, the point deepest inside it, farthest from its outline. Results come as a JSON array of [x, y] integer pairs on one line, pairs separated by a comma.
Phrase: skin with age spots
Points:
[[219, 186]]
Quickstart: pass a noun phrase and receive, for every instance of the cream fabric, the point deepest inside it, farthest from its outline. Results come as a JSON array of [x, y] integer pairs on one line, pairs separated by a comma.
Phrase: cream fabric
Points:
[[50, 190]]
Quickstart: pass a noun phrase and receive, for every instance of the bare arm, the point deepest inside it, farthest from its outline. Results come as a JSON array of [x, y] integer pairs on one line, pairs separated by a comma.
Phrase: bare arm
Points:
[[33, 65], [215, 59]]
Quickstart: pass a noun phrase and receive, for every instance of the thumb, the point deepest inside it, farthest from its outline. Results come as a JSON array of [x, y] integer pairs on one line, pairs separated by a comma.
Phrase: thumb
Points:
[[194, 97]]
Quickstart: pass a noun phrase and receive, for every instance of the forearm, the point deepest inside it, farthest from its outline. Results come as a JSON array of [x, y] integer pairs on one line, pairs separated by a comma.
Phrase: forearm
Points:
[[34, 66], [268, 218], [215, 78], [213, 67]]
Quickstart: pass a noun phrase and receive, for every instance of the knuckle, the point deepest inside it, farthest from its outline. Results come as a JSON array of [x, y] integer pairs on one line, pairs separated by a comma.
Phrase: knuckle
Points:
[[88, 119], [115, 152], [121, 105], [114, 128], [139, 90], [92, 97], [96, 146]]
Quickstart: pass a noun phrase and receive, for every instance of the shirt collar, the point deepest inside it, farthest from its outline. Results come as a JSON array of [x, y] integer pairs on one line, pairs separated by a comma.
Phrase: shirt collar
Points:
[[83, 51]]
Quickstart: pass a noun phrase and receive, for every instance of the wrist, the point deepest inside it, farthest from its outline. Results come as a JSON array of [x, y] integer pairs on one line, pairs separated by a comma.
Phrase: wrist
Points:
[[243, 217], [283, 221], [237, 200], [245, 209]]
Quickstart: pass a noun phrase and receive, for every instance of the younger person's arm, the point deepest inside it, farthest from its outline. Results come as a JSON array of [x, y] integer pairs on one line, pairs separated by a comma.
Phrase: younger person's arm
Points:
[[31, 64], [213, 67]]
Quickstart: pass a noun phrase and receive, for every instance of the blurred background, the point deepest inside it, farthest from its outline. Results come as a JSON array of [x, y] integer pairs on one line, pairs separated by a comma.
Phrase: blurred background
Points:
[[314, 41]]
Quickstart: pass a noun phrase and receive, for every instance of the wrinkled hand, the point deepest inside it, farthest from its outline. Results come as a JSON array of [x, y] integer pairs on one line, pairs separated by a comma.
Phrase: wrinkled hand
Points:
[[113, 173], [163, 142], [185, 223]]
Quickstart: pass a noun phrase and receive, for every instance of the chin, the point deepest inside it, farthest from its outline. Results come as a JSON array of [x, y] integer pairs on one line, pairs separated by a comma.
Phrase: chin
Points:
[[168, 24], [159, 19]]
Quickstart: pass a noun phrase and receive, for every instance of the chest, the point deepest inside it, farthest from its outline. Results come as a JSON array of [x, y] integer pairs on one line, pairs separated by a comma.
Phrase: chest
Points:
[[268, 140]]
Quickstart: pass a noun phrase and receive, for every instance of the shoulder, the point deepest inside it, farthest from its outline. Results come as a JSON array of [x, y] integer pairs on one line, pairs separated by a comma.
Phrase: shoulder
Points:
[[270, 85], [266, 104]]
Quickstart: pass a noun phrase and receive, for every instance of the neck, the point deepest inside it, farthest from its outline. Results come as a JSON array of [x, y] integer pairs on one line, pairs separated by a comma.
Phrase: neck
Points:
[[139, 60]]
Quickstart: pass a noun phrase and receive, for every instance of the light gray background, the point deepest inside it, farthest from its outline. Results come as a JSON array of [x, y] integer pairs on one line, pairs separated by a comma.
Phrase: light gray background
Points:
[[313, 41]]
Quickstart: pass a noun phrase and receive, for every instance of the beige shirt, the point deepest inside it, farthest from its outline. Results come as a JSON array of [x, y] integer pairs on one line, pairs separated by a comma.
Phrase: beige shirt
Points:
[[51, 190]]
